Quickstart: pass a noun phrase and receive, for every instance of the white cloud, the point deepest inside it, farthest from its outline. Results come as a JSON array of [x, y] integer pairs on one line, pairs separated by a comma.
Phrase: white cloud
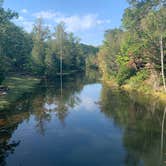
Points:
[[24, 11], [77, 23], [28, 25], [23, 22], [74, 22], [87, 103], [99, 22], [46, 14], [50, 106], [80, 23], [20, 18]]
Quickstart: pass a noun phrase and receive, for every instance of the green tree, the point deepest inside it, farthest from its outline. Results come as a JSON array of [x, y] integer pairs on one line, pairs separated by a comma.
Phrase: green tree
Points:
[[154, 24], [40, 34], [60, 40], [5, 17], [109, 51], [51, 59]]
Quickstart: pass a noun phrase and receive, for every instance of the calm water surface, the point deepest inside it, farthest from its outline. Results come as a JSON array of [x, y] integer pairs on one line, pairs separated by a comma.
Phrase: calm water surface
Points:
[[82, 123]]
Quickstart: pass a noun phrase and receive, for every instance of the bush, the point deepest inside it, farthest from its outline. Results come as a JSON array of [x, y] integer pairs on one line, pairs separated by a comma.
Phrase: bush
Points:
[[139, 77], [142, 75], [124, 74]]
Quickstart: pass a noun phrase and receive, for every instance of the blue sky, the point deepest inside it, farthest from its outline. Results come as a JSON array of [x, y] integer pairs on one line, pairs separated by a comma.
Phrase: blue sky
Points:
[[87, 19]]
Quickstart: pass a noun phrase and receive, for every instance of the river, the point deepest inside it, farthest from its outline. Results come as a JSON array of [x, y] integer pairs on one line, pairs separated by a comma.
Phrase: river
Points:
[[82, 122]]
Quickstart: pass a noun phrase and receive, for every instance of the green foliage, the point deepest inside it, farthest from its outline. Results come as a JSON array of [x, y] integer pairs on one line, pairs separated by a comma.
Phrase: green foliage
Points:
[[16, 47], [126, 52], [40, 34], [124, 74], [51, 62], [88, 49], [138, 79], [122, 60], [143, 74], [109, 51], [37, 52], [91, 62], [6, 15], [15, 44]]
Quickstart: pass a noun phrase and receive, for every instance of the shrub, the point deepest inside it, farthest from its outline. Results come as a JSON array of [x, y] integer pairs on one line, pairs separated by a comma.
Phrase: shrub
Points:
[[124, 74], [139, 77]]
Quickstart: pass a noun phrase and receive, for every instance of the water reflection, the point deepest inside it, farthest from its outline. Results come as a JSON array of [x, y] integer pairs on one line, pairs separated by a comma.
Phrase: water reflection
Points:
[[80, 122], [162, 138], [141, 122], [55, 98]]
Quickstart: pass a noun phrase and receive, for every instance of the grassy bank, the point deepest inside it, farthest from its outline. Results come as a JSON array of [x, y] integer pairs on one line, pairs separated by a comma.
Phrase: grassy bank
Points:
[[146, 90], [18, 86], [140, 89]]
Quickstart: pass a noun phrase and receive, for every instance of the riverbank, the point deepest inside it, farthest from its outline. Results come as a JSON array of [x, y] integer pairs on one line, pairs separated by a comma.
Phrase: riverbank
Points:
[[140, 89], [144, 89], [17, 86]]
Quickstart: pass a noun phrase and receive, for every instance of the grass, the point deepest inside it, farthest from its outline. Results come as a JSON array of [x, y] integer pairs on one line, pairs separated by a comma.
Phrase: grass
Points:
[[18, 86], [140, 86]]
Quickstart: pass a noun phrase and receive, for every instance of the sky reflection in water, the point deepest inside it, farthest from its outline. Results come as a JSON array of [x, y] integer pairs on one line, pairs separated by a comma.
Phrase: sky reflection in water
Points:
[[89, 124]]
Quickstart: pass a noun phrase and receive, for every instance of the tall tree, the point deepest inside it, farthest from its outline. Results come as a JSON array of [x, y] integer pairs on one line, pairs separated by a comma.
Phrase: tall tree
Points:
[[154, 24], [5, 17], [40, 35], [60, 36], [109, 52]]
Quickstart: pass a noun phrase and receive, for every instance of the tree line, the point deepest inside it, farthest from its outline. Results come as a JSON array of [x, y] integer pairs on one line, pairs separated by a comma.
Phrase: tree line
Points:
[[41, 51], [138, 47]]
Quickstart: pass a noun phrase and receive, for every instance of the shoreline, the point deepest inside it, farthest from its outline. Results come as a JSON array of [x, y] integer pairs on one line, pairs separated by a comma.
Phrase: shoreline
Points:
[[18, 86], [141, 90]]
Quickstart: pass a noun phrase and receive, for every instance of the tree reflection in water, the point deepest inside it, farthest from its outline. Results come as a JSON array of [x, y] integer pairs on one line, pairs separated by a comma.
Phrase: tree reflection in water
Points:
[[6, 146], [141, 119], [56, 99], [45, 100], [163, 153]]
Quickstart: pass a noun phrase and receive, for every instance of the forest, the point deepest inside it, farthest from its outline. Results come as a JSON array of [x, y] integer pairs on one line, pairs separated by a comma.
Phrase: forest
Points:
[[134, 53], [69, 103], [40, 52]]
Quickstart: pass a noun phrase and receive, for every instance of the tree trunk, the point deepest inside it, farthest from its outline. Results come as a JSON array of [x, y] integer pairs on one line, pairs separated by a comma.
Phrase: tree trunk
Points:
[[162, 61], [61, 65]]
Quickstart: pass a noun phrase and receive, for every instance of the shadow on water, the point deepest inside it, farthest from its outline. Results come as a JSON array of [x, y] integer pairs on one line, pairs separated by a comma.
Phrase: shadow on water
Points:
[[81, 122]]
